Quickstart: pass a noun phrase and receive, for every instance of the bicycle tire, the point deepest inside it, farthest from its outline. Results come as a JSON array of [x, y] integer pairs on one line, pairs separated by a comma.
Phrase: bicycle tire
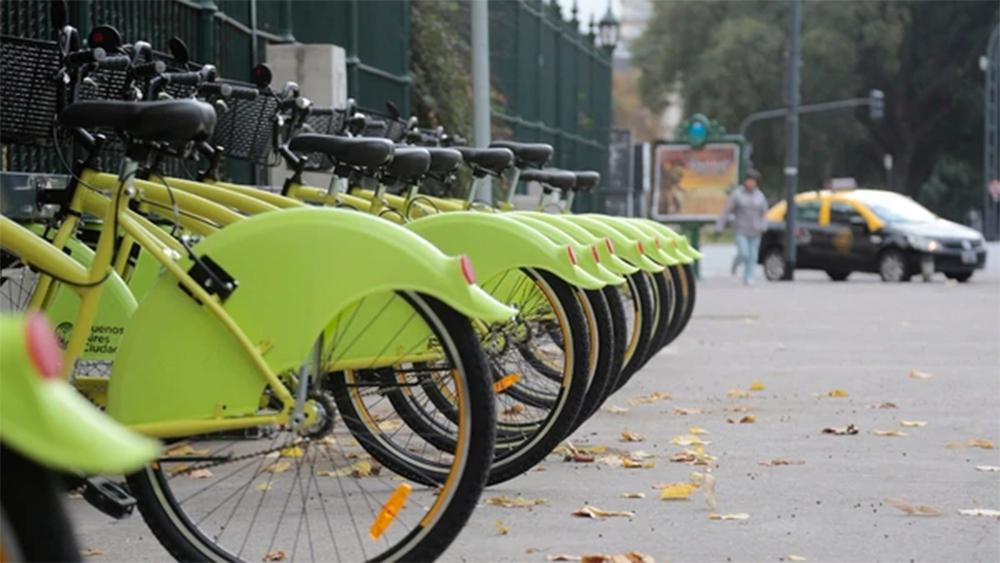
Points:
[[642, 301]]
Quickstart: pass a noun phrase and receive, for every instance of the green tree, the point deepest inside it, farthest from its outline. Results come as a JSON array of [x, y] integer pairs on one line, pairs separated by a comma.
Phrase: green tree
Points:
[[727, 60], [442, 84]]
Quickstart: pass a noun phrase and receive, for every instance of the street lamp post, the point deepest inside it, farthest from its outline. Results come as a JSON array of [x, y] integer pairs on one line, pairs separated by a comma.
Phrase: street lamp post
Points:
[[792, 138], [609, 29]]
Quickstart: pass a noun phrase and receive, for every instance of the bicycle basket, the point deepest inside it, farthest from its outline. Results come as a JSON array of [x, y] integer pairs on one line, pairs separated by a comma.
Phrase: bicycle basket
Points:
[[246, 129], [29, 95]]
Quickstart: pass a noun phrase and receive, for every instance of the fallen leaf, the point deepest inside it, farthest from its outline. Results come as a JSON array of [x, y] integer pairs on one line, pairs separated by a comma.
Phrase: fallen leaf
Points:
[[513, 410], [563, 557], [837, 393], [757, 385], [292, 452], [263, 487], [796, 558], [502, 528], [687, 456], [980, 512], [590, 511], [738, 393], [641, 455], [912, 423], [592, 449], [848, 430], [889, 433], [200, 474], [687, 411], [653, 397], [910, 509], [363, 468], [688, 440], [633, 495], [697, 430], [734, 516], [708, 488], [630, 557], [782, 461], [917, 374], [91, 552], [977, 443], [677, 491], [988, 468], [613, 460], [184, 449], [276, 555], [628, 436], [579, 458], [514, 502], [278, 467], [184, 467], [614, 409], [629, 463], [748, 419], [885, 405]]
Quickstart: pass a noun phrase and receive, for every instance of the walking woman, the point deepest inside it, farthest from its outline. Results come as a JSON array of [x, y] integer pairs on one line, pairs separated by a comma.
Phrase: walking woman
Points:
[[746, 208]]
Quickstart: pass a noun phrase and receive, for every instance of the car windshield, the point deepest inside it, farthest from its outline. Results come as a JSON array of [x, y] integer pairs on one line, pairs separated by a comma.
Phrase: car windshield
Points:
[[894, 208]]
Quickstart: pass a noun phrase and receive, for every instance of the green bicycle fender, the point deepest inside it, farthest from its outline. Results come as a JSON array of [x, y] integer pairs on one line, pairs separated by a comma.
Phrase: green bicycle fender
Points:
[[297, 270], [649, 240], [625, 246], [497, 243], [117, 304], [661, 248], [608, 258], [587, 256], [50, 422], [685, 252]]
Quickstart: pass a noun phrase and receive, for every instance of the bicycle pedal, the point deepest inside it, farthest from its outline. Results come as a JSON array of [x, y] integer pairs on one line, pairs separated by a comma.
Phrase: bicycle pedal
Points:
[[109, 497]]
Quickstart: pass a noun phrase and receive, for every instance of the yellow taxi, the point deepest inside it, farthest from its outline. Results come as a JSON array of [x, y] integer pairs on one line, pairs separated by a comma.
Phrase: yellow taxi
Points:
[[864, 230]]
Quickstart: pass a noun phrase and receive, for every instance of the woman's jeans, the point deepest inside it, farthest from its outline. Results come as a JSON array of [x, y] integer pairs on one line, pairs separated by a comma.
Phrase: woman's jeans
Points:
[[747, 248]]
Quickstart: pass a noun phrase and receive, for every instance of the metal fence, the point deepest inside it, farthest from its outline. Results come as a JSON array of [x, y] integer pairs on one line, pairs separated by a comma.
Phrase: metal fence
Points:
[[554, 84]]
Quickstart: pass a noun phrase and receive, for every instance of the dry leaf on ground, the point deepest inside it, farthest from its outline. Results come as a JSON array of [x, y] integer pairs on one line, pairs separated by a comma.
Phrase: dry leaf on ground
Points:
[[738, 393], [848, 430], [184, 449], [502, 528], [697, 456], [276, 555], [796, 558], [91, 552], [988, 468], [782, 461], [677, 491], [912, 509], [976, 443], [201, 474], [697, 430], [629, 436], [732, 516], [889, 433], [563, 557], [688, 440], [590, 511], [757, 385], [263, 487], [748, 419], [653, 397], [989, 512], [293, 452], [513, 410], [630, 557], [278, 467], [687, 411], [633, 495], [912, 423], [615, 409], [836, 393], [514, 502], [883, 405], [917, 374]]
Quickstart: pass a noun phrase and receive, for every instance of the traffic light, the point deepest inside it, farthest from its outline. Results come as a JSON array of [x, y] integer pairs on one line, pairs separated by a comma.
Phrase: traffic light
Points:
[[876, 104]]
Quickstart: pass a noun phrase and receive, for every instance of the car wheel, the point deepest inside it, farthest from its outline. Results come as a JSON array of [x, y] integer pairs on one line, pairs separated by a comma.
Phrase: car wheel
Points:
[[960, 277], [892, 266], [838, 275], [774, 264]]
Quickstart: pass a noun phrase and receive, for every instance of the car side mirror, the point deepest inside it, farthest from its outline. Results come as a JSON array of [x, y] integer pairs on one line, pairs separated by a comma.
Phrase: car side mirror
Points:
[[859, 224]]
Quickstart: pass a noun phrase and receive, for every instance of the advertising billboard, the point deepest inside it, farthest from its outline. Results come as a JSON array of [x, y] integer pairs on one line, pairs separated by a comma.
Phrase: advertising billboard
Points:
[[694, 181]]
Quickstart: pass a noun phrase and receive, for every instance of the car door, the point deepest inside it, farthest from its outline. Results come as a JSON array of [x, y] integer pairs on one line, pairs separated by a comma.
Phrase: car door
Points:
[[849, 245], [807, 229]]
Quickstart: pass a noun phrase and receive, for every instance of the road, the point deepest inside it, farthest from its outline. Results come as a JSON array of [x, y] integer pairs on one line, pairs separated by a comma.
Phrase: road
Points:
[[800, 341]]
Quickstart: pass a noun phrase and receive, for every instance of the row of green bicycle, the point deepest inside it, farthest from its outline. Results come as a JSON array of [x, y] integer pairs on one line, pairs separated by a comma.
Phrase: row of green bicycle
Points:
[[336, 371]]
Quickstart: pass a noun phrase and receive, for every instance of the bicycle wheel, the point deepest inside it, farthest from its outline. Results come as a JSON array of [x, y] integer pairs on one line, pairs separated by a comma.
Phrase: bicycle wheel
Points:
[[275, 493], [637, 300], [606, 355], [619, 334], [678, 291], [664, 311]]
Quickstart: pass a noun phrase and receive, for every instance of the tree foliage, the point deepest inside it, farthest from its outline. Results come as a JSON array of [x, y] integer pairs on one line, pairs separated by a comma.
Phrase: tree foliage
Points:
[[726, 59], [442, 83]]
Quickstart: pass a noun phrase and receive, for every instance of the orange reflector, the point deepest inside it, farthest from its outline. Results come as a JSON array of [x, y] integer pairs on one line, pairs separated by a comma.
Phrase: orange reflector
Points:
[[572, 255], [468, 272], [43, 346], [506, 382], [390, 510], [610, 245], [597, 256]]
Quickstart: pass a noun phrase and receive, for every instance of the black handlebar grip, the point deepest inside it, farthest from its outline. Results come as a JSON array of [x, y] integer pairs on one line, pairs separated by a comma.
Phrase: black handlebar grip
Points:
[[85, 56], [216, 89], [114, 62], [152, 68], [184, 78], [243, 93]]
